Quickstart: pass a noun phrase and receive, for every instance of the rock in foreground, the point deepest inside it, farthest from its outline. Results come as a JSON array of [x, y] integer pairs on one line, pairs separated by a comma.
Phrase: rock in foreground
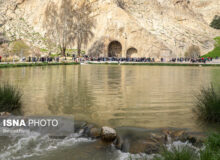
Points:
[[108, 134]]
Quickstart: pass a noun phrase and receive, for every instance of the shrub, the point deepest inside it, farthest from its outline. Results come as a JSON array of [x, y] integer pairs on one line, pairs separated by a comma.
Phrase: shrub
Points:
[[121, 4], [208, 105], [193, 52], [215, 22], [10, 98]]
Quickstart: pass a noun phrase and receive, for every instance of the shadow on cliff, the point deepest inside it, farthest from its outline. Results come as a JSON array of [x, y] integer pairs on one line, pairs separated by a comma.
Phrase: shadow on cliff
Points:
[[97, 48]]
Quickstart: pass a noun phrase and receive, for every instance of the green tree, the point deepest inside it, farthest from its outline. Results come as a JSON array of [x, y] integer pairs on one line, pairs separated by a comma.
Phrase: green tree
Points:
[[19, 47], [216, 22]]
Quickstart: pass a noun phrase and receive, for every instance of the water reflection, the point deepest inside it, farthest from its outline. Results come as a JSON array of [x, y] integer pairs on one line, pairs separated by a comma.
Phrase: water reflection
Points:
[[141, 96]]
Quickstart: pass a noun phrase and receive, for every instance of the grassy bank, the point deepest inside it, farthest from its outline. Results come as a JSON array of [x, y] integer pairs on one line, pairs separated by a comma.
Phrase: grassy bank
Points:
[[34, 64], [211, 151], [8, 65], [216, 51], [158, 64]]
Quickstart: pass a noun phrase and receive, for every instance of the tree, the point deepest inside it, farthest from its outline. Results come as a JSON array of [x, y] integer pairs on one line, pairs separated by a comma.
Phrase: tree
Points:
[[69, 24], [193, 52], [83, 25], [19, 47], [58, 24], [216, 22]]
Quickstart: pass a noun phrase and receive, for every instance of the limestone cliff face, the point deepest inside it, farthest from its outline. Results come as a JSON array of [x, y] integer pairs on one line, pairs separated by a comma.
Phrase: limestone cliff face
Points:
[[151, 28]]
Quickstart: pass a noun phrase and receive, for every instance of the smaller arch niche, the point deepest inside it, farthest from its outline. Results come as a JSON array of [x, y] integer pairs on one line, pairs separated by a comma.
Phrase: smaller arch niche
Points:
[[131, 52]]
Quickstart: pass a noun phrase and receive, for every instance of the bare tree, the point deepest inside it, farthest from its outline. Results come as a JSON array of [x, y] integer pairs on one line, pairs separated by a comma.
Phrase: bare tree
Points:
[[193, 52], [58, 24], [84, 23], [69, 24]]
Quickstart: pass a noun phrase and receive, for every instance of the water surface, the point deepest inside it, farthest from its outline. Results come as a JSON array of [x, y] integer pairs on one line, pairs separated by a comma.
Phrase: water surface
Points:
[[114, 95]]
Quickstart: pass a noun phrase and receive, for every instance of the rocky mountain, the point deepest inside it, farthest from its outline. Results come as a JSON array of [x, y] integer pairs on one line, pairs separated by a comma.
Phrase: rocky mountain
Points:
[[151, 28]]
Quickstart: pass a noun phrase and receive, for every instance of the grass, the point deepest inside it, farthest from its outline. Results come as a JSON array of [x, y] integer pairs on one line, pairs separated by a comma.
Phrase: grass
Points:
[[10, 98], [207, 106], [44, 50], [211, 151], [54, 55], [216, 51], [34, 64], [212, 148], [177, 153]]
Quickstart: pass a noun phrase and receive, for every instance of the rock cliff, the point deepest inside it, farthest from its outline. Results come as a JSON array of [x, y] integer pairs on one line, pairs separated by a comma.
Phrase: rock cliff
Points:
[[151, 28]]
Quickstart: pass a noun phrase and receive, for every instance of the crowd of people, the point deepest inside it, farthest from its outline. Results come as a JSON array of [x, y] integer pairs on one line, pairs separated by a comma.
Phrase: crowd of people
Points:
[[144, 59], [193, 60], [40, 59], [114, 59]]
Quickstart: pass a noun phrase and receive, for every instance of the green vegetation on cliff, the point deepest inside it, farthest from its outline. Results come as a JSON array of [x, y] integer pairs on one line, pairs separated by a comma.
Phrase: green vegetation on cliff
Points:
[[215, 22], [216, 52]]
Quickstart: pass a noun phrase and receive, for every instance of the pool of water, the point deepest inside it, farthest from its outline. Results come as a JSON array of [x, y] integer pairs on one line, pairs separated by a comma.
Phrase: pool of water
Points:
[[113, 95]]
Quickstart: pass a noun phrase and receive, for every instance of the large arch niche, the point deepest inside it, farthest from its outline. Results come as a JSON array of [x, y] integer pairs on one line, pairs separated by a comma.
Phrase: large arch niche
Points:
[[114, 49]]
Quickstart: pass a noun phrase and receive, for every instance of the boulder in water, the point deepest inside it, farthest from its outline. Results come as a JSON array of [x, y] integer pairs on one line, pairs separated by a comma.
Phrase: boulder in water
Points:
[[108, 134], [95, 132]]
